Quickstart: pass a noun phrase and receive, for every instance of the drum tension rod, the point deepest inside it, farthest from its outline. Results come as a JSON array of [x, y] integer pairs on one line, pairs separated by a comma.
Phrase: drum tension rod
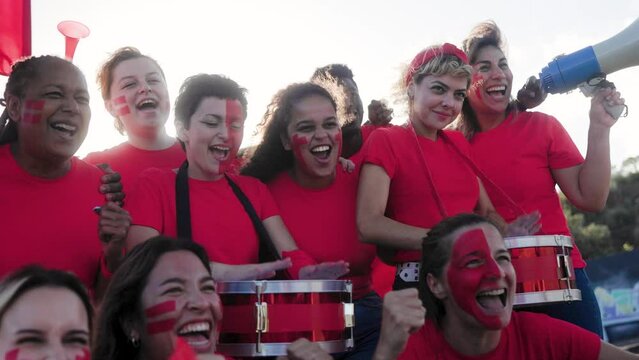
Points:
[[261, 315]]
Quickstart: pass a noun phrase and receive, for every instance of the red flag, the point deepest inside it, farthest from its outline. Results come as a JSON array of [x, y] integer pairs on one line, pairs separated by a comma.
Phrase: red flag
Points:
[[15, 32]]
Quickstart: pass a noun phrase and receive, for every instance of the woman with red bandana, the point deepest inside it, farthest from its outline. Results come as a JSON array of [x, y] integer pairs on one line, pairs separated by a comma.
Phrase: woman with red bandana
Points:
[[134, 91], [298, 160], [467, 284], [230, 215], [528, 153], [415, 175]]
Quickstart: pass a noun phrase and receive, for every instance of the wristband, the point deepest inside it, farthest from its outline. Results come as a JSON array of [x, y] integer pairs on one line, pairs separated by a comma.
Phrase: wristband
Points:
[[300, 259]]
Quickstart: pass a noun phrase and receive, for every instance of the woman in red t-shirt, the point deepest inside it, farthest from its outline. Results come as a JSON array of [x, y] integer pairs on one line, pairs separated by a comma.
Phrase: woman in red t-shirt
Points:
[[527, 154], [467, 285], [298, 160], [133, 87], [417, 174]]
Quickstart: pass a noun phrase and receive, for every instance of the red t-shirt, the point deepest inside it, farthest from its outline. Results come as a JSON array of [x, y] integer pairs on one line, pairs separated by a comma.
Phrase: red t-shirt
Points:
[[130, 161], [50, 222], [527, 336], [358, 157], [517, 156], [322, 222], [411, 200], [218, 221]]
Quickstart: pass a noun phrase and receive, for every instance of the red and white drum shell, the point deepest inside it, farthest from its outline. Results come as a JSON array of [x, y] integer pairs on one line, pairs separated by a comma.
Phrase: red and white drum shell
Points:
[[261, 318], [544, 268]]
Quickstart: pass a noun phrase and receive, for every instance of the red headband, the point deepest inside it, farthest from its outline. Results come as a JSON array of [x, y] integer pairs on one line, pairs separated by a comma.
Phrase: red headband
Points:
[[428, 54]]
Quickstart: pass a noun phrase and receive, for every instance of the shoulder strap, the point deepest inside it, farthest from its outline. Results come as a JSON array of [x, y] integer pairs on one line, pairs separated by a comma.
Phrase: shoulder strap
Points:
[[182, 203], [267, 251]]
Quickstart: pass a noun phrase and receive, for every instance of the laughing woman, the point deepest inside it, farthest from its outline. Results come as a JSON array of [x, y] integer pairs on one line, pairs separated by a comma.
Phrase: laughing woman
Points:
[[46, 194], [227, 214], [298, 160]]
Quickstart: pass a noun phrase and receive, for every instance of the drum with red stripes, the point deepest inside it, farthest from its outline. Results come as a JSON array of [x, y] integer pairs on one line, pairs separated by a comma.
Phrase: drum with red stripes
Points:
[[544, 268], [262, 317]]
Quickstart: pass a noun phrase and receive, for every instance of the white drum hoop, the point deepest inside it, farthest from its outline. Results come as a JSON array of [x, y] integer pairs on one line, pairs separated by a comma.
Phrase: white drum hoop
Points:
[[532, 241], [547, 297], [284, 286]]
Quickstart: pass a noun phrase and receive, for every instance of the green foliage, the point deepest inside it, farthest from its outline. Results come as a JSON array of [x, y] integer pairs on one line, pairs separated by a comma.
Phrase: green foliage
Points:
[[616, 228]]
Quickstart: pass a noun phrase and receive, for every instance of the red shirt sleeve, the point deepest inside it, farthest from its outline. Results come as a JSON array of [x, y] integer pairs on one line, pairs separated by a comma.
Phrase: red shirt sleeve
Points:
[[378, 151], [562, 151]]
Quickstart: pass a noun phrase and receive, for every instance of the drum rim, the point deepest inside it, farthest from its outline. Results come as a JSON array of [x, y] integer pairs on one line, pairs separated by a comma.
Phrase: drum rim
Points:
[[278, 349], [284, 286], [517, 242], [546, 297]]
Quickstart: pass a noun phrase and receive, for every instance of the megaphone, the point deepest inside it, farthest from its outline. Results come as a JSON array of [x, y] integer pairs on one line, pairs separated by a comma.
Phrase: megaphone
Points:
[[567, 72], [73, 31]]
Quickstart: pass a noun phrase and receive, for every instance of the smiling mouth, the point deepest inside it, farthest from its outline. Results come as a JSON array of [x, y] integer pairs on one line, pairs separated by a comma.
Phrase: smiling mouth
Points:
[[496, 90], [67, 129], [220, 151], [196, 334], [147, 104], [492, 299], [321, 151]]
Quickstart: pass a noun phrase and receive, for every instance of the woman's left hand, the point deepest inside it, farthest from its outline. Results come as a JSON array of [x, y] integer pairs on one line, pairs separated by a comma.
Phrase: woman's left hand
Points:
[[605, 96], [329, 270], [527, 224], [347, 165], [113, 227]]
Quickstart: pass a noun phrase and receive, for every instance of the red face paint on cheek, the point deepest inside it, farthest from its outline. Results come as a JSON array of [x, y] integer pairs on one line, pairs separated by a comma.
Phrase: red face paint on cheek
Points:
[[161, 310], [121, 108], [476, 84], [33, 111], [234, 125], [86, 355], [298, 142], [11, 354], [466, 281]]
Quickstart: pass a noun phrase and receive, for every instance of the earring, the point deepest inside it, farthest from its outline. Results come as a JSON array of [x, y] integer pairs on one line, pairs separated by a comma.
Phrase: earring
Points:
[[135, 342]]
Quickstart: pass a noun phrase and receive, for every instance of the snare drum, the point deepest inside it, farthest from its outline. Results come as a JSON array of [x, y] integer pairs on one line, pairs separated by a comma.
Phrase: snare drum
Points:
[[261, 318], [545, 273]]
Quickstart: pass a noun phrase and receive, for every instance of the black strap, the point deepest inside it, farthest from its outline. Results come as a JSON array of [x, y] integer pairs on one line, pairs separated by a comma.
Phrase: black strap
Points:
[[266, 252]]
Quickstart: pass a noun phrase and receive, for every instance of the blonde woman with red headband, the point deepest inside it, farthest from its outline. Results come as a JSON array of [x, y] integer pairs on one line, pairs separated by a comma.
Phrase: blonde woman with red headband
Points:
[[415, 175]]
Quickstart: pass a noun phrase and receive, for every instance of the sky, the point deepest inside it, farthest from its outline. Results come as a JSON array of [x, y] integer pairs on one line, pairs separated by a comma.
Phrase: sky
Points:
[[266, 45]]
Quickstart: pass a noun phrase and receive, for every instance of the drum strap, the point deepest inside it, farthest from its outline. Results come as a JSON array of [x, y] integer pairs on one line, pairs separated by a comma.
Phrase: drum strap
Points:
[[267, 251]]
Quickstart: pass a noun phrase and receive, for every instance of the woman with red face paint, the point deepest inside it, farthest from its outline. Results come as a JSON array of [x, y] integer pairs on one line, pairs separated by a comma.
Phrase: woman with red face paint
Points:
[[44, 314], [528, 153], [46, 194], [417, 174], [134, 91], [298, 160], [467, 284], [230, 215]]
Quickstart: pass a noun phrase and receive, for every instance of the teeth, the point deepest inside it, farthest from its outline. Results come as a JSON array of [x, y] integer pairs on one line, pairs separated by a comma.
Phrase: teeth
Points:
[[64, 127], [492, 292], [220, 148], [195, 327], [321, 148], [497, 88]]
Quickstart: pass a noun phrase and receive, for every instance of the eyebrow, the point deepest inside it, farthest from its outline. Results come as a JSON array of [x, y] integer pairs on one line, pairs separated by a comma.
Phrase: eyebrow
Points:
[[216, 116], [437, 82], [206, 279], [29, 332], [77, 332], [172, 280]]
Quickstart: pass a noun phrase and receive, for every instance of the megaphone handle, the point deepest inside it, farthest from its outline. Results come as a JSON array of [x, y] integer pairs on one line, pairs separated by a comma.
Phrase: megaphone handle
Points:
[[615, 110]]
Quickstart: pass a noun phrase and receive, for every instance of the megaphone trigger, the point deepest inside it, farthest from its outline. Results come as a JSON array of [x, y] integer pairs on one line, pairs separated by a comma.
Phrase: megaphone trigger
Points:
[[616, 111]]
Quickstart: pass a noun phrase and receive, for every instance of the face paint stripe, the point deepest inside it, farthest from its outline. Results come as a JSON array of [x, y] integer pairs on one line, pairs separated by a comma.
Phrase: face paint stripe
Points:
[[31, 118], [120, 100], [160, 309], [86, 355], [123, 111], [34, 105], [160, 326], [12, 355]]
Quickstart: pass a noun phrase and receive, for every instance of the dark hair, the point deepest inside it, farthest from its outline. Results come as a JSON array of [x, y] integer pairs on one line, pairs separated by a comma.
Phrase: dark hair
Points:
[[270, 157], [436, 251], [33, 277], [339, 71], [22, 73], [105, 73], [121, 301], [197, 87], [482, 35]]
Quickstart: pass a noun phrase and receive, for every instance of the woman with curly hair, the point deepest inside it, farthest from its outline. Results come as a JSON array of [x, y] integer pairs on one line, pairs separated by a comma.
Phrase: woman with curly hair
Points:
[[298, 160]]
